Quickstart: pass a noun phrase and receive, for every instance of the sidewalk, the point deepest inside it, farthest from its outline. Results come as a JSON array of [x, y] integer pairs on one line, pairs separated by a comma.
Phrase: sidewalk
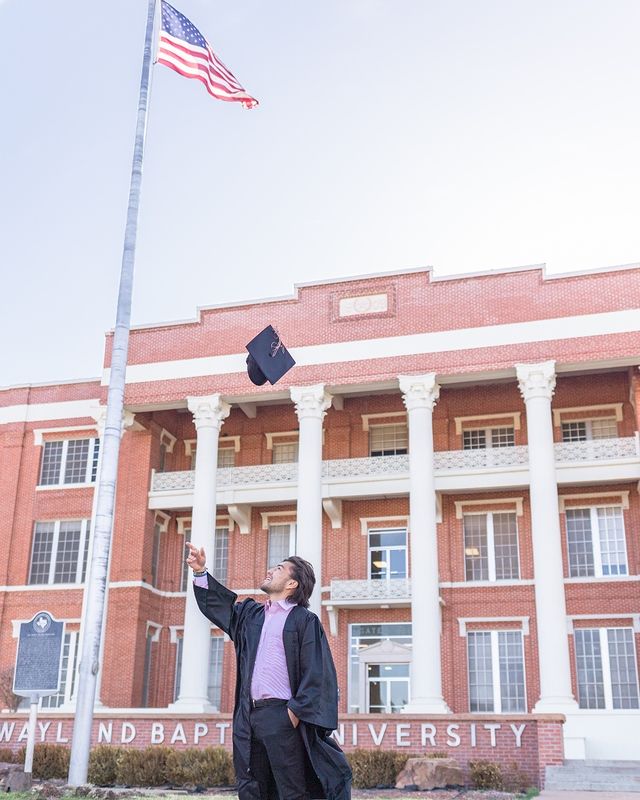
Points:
[[557, 795]]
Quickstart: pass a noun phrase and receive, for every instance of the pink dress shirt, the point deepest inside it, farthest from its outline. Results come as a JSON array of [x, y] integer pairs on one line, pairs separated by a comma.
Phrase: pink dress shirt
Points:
[[270, 676]]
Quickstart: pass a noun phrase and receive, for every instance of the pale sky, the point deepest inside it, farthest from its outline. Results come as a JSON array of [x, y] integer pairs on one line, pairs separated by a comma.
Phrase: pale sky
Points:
[[465, 135]]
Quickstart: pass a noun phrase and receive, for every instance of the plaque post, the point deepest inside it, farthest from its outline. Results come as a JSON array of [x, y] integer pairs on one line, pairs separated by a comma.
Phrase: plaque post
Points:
[[31, 735]]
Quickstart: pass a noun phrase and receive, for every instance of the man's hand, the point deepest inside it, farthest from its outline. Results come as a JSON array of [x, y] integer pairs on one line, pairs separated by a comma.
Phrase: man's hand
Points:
[[196, 559], [294, 720]]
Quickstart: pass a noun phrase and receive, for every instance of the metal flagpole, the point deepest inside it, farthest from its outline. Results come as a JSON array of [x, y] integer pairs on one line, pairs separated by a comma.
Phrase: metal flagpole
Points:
[[96, 585]]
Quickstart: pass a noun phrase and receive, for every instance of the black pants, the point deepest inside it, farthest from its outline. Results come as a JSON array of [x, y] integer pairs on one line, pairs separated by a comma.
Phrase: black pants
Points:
[[277, 753]]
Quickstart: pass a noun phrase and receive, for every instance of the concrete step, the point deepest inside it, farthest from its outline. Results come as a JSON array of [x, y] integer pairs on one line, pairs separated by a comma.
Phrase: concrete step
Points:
[[594, 776]]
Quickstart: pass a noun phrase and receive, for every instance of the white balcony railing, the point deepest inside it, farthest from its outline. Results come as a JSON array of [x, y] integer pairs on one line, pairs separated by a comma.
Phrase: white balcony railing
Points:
[[445, 463], [464, 460], [597, 450], [377, 591]]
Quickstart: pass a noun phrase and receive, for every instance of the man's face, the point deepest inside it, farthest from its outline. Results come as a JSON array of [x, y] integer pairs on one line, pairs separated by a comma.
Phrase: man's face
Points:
[[277, 578]]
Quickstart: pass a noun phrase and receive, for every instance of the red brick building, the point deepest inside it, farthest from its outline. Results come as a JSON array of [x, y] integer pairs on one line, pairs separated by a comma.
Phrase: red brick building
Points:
[[458, 457]]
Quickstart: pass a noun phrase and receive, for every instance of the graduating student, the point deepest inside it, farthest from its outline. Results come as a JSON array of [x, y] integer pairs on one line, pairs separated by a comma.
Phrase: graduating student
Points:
[[286, 702]]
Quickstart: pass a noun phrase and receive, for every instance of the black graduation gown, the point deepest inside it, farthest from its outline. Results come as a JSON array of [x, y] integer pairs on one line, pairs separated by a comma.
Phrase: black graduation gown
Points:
[[314, 685]]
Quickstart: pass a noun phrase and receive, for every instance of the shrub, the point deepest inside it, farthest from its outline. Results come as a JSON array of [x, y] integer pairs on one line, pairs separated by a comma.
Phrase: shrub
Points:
[[486, 775], [103, 765], [209, 766], [146, 767], [7, 755], [49, 761], [514, 779], [376, 768]]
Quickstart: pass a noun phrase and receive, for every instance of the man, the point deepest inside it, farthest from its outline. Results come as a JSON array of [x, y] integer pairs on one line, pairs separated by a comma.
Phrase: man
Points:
[[286, 702]]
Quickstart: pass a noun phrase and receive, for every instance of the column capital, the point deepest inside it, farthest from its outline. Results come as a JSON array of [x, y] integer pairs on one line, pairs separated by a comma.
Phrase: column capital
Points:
[[208, 411], [311, 401], [537, 380], [419, 391], [99, 413]]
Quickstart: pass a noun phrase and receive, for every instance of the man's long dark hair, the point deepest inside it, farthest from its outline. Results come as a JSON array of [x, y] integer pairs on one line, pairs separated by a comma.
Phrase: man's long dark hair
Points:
[[301, 571]]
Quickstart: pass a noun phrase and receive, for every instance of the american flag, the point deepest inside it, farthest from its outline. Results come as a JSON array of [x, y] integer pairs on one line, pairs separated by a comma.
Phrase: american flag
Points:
[[184, 49]]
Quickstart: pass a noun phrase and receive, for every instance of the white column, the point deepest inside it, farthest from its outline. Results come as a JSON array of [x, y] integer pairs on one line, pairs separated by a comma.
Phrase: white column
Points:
[[537, 383], [208, 414], [311, 403], [420, 393]]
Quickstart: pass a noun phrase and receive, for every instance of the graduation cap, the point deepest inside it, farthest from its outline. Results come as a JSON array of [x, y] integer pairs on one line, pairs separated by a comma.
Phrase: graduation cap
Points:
[[268, 358]]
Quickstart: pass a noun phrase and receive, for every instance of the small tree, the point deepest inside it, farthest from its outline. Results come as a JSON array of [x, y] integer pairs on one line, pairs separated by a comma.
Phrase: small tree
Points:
[[7, 698]]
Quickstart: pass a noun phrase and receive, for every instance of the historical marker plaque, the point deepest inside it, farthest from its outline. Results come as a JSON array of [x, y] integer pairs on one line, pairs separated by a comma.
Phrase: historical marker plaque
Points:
[[39, 656]]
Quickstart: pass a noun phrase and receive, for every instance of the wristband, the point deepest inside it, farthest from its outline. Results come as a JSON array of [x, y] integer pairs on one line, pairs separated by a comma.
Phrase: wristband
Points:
[[200, 574]]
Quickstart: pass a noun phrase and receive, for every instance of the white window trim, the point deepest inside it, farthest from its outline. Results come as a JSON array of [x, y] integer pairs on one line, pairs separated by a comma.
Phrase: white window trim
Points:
[[464, 621], [85, 530], [620, 499], [162, 521], [185, 523], [395, 418], [366, 523], [495, 671], [267, 517], [168, 440], [290, 436], [514, 416], [63, 465], [40, 433], [635, 620], [596, 542], [606, 670], [515, 503], [615, 408], [393, 547], [224, 443]]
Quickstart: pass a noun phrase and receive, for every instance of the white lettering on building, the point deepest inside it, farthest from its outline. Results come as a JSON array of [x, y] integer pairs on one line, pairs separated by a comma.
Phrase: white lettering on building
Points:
[[222, 726], [44, 727], [127, 733], [403, 734], [454, 739], [105, 732], [200, 729], [178, 734], [378, 737]]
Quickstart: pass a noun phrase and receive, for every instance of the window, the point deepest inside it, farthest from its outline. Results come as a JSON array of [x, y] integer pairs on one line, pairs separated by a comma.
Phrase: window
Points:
[[69, 461], [388, 440], [214, 682], [146, 675], [482, 438], [226, 457], [155, 554], [496, 672], [388, 554], [285, 452], [491, 546], [69, 661], [163, 457], [59, 553], [214, 678], [607, 668], [282, 543], [218, 560], [387, 688], [176, 680], [364, 636], [585, 429], [596, 542]]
